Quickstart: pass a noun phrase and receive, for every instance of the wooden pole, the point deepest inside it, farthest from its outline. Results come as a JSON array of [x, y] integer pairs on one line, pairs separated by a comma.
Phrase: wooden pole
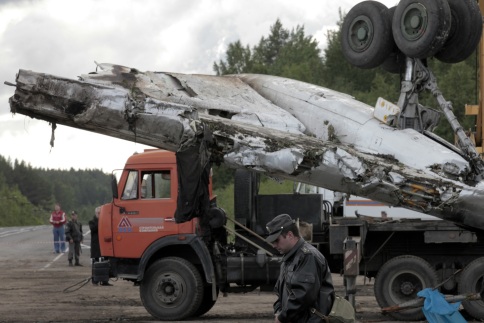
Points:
[[479, 118]]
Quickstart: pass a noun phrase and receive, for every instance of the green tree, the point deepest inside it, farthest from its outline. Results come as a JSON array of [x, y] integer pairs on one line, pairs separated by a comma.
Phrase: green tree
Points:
[[15, 209], [285, 53], [338, 74], [458, 84], [28, 194], [238, 60]]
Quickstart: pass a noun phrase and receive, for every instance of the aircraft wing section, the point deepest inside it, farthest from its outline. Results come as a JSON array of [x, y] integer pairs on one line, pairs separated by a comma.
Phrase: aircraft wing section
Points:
[[256, 127]]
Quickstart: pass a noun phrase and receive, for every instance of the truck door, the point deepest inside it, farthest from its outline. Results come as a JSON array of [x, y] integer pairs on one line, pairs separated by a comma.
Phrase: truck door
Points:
[[145, 211]]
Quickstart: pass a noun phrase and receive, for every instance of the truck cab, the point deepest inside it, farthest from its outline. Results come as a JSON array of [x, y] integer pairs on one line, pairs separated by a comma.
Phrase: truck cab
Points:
[[143, 207]]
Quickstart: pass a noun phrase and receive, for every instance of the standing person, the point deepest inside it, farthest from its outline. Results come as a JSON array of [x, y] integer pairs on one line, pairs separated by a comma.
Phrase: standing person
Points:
[[95, 249], [58, 219], [74, 237], [304, 281]]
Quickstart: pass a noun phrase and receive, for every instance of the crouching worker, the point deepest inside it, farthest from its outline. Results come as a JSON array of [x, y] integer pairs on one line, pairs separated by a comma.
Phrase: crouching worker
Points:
[[95, 248], [74, 237], [304, 281]]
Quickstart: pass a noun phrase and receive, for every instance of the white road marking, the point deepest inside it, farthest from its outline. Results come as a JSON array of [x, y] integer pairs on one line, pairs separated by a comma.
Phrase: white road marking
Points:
[[55, 259], [17, 231]]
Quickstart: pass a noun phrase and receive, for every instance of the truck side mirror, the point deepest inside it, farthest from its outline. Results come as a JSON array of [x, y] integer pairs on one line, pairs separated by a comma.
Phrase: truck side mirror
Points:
[[114, 186]]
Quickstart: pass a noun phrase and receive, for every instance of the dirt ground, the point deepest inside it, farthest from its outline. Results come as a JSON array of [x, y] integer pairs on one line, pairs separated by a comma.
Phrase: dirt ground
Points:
[[39, 296], [39, 286]]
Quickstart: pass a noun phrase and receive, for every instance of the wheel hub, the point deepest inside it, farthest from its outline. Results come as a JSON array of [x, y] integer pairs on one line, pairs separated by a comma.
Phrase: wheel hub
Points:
[[168, 289], [414, 21], [407, 288], [360, 33]]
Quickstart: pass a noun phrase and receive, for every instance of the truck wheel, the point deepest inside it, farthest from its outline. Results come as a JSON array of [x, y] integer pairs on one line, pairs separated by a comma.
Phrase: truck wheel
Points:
[[465, 31], [421, 27], [172, 289], [207, 301], [399, 280], [366, 36], [471, 280]]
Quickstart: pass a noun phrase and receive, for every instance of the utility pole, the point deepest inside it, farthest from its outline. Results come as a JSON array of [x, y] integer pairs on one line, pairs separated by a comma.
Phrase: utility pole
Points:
[[477, 110]]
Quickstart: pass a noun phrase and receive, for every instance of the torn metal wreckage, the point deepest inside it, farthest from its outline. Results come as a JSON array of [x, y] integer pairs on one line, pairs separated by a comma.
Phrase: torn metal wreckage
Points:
[[278, 126]]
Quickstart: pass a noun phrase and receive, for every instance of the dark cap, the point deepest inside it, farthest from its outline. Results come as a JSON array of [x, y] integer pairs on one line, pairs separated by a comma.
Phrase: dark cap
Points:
[[276, 226]]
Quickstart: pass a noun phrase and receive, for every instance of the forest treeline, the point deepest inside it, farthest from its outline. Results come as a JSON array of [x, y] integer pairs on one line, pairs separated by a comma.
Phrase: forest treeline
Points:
[[27, 194]]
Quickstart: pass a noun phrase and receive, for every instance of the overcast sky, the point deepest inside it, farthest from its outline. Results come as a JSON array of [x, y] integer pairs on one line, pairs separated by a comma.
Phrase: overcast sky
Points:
[[64, 38]]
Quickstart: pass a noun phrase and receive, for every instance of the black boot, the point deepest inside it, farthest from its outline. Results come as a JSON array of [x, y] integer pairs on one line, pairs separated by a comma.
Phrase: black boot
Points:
[[78, 264], [70, 263]]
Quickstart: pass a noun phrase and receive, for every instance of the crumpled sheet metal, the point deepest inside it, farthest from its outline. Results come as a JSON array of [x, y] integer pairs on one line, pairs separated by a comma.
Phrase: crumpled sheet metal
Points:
[[285, 160], [225, 96], [170, 111], [109, 110], [352, 122]]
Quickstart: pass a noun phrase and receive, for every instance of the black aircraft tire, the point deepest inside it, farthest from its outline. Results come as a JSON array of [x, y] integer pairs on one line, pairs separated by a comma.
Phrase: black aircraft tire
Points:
[[421, 27], [172, 289], [471, 281], [366, 37], [399, 280], [465, 31], [395, 62]]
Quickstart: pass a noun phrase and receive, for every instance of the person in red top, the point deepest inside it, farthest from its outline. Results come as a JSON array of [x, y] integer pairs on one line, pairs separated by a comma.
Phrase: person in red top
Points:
[[58, 219]]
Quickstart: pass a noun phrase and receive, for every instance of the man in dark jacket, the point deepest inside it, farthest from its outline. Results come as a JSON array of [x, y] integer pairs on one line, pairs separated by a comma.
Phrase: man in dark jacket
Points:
[[95, 248], [74, 237], [305, 279]]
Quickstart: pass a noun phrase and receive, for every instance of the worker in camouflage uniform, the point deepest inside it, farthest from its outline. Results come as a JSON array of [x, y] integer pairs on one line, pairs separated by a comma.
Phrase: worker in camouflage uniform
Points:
[[304, 282], [74, 237]]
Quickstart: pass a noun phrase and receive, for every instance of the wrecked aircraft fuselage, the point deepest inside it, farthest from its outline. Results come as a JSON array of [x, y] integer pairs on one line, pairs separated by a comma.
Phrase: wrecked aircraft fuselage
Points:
[[278, 126]]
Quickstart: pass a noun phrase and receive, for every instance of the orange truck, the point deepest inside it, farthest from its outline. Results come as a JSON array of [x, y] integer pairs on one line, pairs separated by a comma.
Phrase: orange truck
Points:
[[182, 267], [178, 266]]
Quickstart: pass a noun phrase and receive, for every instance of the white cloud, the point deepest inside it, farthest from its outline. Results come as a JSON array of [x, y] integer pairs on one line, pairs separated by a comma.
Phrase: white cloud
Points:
[[65, 38]]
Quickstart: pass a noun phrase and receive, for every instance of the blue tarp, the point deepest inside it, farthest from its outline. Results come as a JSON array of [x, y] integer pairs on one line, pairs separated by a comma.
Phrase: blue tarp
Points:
[[437, 310]]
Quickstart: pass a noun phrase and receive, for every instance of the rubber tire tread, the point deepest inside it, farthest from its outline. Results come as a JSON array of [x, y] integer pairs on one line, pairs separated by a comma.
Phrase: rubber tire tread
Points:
[[436, 33], [207, 301], [381, 44], [395, 62], [194, 283], [465, 31], [468, 279], [414, 265]]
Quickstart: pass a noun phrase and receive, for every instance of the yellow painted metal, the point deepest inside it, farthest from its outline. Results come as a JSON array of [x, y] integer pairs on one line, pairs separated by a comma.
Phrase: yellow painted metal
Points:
[[472, 110]]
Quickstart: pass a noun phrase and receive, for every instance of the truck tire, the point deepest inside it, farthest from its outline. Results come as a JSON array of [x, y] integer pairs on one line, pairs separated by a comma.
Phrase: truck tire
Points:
[[471, 280], [172, 289], [366, 34], [421, 27], [465, 31], [207, 301], [399, 280]]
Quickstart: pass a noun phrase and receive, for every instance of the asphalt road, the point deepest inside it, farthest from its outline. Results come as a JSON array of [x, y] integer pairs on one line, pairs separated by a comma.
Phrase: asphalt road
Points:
[[34, 282]]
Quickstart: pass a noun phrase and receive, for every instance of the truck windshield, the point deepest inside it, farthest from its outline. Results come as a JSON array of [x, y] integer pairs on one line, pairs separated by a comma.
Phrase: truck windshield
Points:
[[130, 191]]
